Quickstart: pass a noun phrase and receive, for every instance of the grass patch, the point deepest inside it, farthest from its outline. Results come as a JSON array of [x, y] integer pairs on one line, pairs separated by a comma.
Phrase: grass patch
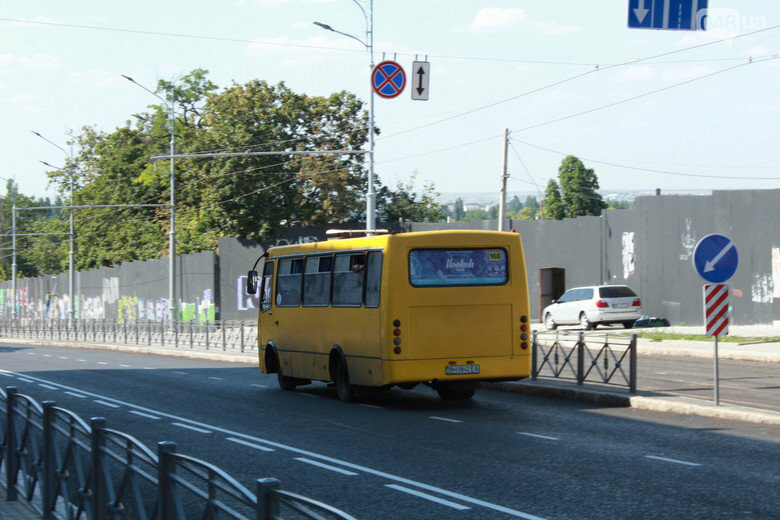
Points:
[[661, 336]]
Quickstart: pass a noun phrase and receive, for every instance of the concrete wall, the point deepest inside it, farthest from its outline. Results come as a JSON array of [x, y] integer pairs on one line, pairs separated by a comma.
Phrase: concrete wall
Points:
[[649, 248]]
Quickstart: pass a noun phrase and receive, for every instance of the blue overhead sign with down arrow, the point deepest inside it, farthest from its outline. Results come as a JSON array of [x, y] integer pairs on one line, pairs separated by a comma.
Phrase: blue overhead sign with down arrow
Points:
[[675, 15]]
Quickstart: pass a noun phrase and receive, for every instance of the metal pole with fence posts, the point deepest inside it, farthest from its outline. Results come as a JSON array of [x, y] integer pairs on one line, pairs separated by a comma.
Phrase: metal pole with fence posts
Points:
[[580, 358]]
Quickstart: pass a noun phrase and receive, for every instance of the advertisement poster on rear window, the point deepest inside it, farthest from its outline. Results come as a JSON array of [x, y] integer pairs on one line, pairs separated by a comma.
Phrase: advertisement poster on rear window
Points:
[[447, 267]]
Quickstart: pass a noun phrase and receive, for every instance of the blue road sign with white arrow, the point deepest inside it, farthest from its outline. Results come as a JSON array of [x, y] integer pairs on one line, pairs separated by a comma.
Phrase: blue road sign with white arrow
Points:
[[675, 15], [715, 258]]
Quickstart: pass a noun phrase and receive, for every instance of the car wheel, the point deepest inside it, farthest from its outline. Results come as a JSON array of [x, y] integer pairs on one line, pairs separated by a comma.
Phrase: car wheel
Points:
[[628, 324], [549, 322], [584, 322], [344, 388]]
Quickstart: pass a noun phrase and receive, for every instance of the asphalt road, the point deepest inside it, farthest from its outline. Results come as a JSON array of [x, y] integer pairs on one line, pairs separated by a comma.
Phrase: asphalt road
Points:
[[408, 455]]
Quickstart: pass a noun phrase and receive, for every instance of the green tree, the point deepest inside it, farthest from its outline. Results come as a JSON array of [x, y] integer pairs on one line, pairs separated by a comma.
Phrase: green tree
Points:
[[459, 213], [553, 208], [404, 203], [578, 187], [514, 205], [531, 202]]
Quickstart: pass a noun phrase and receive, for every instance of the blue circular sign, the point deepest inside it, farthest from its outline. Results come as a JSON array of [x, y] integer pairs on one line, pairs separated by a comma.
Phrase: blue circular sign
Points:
[[388, 79], [715, 258]]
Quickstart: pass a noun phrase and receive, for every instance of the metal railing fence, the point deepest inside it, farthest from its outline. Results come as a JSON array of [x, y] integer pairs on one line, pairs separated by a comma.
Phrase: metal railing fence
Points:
[[606, 359], [70, 470], [216, 335]]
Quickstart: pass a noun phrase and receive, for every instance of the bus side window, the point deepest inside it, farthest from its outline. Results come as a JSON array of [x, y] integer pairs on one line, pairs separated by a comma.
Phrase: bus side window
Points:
[[267, 286], [316, 281], [288, 282], [348, 279], [373, 278]]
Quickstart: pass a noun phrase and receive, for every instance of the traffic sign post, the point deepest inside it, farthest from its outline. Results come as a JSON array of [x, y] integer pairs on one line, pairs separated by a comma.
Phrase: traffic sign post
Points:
[[388, 79], [716, 259], [421, 73], [675, 15]]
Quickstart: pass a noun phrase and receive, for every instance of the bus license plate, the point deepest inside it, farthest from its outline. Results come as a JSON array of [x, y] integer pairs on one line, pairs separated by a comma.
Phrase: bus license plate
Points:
[[462, 369]]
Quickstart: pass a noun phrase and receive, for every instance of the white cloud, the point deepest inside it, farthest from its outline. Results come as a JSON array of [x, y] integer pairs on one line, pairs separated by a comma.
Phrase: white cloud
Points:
[[758, 50], [301, 25], [554, 28], [685, 73], [288, 47], [38, 61], [494, 20], [98, 78]]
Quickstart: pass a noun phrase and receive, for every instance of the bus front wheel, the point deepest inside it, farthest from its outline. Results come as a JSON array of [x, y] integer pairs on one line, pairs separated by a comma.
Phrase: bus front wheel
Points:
[[344, 388]]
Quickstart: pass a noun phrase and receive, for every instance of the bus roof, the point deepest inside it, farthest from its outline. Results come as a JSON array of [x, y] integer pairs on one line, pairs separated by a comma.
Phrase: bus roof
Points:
[[378, 241]]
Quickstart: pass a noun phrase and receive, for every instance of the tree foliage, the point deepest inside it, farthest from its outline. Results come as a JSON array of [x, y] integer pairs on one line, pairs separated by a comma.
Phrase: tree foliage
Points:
[[405, 204], [578, 188], [553, 207]]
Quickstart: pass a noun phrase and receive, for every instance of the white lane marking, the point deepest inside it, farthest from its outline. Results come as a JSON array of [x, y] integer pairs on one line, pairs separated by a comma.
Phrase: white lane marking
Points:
[[179, 372], [444, 419], [672, 460], [74, 394], [426, 496], [31, 353], [286, 447], [148, 416], [22, 379], [216, 378], [102, 363], [250, 444], [63, 357], [82, 360], [259, 386], [6, 375], [370, 405], [125, 366], [148, 368], [106, 403], [47, 355], [538, 436], [325, 466], [48, 386], [193, 428]]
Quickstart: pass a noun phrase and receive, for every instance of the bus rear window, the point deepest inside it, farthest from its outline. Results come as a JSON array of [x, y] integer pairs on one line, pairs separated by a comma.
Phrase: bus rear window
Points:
[[449, 267]]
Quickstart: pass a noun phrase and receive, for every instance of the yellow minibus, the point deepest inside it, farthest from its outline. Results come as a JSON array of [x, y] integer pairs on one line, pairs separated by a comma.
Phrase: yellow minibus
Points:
[[444, 308]]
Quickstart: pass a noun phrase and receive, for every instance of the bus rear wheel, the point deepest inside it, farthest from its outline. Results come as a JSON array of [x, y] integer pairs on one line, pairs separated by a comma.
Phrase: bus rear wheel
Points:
[[456, 391], [344, 388]]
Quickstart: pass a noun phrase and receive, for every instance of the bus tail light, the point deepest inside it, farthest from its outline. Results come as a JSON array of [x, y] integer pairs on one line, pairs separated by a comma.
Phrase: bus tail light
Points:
[[397, 350], [637, 303], [396, 323], [523, 327], [397, 332], [523, 345], [601, 304], [523, 319]]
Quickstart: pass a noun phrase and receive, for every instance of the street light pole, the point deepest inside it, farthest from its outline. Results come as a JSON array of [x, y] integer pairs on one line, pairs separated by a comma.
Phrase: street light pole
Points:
[[13, 247], [172, 306], [71, 245], [369, 45]]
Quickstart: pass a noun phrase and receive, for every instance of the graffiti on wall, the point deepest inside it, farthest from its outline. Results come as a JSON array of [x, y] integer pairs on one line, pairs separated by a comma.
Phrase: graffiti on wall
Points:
[[762, 290], [629, 256], [688, 240]]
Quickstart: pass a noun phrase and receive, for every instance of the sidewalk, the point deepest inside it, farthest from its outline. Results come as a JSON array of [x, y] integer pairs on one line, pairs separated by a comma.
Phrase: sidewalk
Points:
[[17, 510]]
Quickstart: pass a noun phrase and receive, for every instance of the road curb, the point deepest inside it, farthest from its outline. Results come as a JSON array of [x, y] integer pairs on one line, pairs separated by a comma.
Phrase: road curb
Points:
[[245, 358], [678, 405], [644, 350]]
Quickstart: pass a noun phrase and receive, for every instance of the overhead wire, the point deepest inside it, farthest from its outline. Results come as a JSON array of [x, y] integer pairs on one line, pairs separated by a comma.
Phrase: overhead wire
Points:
[[580, 75], [650, 170]]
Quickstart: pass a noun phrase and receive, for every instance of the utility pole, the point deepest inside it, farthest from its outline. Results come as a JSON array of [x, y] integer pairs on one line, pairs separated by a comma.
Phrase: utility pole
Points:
[[502, 199], [13, 247], [71, 243]]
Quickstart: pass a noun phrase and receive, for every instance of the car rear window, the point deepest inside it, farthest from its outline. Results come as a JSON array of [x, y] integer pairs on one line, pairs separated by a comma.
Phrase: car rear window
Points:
[[448, 267], [616, 292]]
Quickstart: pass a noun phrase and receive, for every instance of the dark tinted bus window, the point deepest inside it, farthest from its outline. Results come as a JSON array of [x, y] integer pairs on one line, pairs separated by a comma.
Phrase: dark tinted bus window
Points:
[[373, 278], [616, 292], [316, 281], [348, 279], [288, 282], [268, 281]]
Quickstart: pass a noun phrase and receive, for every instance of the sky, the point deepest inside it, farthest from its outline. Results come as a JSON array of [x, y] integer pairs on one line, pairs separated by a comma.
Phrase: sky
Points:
[[543, 70]]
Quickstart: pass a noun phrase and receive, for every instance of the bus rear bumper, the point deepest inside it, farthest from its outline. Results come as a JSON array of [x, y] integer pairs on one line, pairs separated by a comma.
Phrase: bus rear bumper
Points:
[[428, 370]]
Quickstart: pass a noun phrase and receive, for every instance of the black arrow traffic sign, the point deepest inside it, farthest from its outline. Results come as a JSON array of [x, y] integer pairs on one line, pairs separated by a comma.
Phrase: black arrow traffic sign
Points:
[[423, 71]]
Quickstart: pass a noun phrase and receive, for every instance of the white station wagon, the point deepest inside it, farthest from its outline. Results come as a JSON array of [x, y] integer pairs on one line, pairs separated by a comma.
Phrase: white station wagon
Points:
[[594, 305]]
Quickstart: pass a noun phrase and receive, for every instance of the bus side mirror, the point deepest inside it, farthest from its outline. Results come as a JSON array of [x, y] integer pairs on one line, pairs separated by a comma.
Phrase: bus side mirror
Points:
[[251, 282]]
